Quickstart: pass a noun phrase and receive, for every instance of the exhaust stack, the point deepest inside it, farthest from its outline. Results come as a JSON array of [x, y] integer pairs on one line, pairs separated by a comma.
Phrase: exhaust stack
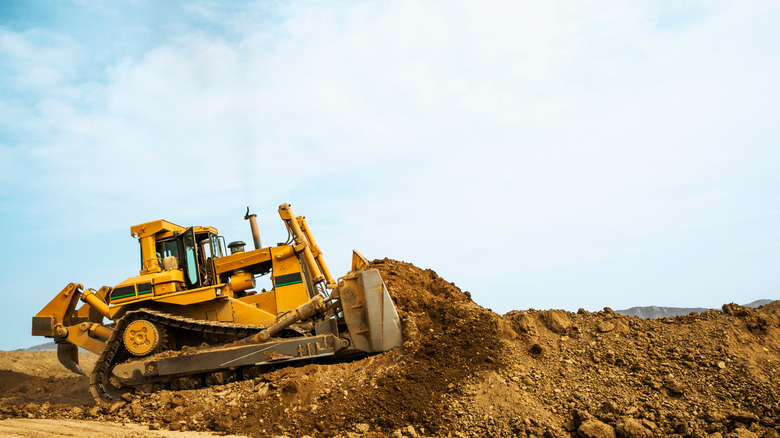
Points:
[[252, 218]]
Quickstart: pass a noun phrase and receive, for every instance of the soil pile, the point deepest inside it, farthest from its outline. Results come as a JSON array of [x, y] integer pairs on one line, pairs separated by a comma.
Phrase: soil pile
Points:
[[466, 371], [39, 377], [42, 363]]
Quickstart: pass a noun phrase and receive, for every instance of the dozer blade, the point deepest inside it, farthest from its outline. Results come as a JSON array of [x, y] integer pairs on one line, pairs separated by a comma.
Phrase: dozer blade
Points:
[[369, 312], [68, 354]]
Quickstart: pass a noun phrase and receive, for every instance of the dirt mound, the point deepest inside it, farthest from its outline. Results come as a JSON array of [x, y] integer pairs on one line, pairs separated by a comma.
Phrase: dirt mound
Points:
[[466, 371], [22, 388], [42, 363], [693, 375], [37, 428]]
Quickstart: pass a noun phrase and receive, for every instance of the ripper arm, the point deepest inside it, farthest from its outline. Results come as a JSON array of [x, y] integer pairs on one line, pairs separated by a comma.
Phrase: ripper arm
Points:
[[72, 328]]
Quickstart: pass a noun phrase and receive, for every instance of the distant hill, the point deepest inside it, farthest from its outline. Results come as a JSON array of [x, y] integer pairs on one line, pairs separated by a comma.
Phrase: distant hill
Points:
[[49, 346], [652, 312], [758, 303]]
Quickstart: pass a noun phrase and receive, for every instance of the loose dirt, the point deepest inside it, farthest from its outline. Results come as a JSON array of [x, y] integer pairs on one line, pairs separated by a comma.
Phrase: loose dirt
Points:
[[465, 371], [40, 428]]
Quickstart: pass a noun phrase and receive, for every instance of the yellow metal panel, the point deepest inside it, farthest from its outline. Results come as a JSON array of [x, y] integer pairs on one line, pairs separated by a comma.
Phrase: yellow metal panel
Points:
[[162, 283], [167, 282], [168, 276], [247, 313], [141, 279], [78, 335], [241, 260], [225, 312], [290, 296], [165, 288], [225, 309], [191, 296], [62, 305], [154, 227], [265, 301], [199, 230], [183, 298]]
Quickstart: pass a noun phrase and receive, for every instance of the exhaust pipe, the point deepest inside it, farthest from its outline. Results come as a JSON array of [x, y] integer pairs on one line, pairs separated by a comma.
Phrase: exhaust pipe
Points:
[[252, 218]]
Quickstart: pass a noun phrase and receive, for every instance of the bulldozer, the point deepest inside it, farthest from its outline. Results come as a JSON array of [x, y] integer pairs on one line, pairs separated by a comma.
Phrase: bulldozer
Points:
[[193, 316]]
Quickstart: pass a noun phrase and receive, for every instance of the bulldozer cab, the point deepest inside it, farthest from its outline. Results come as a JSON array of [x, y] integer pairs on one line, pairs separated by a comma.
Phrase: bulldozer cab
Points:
[[191, 252]]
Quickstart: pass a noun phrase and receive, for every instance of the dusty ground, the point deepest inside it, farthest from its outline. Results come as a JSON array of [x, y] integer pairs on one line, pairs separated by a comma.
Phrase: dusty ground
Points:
[[466, 371], [40, 428], [42, 363]]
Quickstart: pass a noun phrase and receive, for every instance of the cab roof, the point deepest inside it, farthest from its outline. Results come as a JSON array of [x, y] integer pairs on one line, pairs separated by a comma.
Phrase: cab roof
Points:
[[163, 228]]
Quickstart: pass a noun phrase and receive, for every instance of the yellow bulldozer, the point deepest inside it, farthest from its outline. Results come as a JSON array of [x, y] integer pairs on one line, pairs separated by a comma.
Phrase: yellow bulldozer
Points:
[[192, 317]]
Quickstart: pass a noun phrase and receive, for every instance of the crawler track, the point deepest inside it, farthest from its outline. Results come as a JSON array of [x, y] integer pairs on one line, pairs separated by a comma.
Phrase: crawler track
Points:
[[100, 382]]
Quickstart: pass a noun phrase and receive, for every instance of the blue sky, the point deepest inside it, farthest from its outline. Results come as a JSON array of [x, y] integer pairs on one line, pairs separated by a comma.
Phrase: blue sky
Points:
[[538, 154]]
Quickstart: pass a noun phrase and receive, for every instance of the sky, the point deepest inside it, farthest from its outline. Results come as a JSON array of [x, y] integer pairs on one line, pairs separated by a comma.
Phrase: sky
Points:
[[538, 154]]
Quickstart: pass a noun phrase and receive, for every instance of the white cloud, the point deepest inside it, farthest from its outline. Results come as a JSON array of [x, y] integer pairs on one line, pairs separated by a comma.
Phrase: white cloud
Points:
[[474, 136]]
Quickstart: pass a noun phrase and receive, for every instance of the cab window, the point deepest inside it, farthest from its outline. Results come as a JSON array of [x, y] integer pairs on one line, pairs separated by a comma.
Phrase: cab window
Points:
[[168, 248]]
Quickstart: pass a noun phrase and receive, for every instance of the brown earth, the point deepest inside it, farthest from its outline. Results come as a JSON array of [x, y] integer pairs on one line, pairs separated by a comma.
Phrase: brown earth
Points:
[[42, 427], [42, 363], [466, 371]]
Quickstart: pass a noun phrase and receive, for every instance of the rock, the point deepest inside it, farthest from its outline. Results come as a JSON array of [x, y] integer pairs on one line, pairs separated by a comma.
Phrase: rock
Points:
[[631, 428], [610, 407], [178, 400], [596, 429], [223, 423], [556, 320], [674, 386], [649, 424], [715, 417], [115, 407], [735, 310], [743, 417], [741, 433], [136, 411], [682, 428], [525, 324], [605, 326], [94, 411], [362, 427], [170, 417], [506, 330]]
